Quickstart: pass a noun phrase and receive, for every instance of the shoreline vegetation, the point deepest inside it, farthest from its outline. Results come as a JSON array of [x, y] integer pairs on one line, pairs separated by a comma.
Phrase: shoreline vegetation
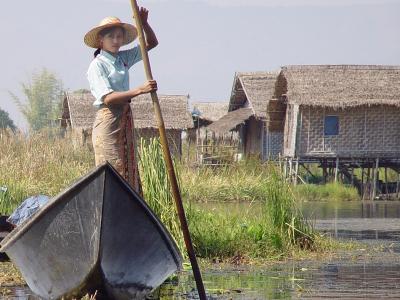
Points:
[[45, 164]]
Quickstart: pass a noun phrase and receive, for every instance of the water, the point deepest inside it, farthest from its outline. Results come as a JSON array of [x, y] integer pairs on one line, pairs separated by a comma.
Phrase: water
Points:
[[369, 222], [359, 274]]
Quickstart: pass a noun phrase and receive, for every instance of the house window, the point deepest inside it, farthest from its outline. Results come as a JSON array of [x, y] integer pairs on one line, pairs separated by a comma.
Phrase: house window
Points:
[[331, 126]]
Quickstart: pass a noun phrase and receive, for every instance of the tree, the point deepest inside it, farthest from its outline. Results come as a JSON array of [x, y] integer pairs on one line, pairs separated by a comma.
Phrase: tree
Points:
[[42, 105], [5, 121]]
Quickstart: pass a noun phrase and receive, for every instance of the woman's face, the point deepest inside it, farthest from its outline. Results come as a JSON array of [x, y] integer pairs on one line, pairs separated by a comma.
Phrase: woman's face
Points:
[[112, 40]]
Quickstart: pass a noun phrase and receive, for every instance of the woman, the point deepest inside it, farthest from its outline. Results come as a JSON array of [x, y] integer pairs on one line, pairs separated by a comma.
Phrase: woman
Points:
[[108, 76]]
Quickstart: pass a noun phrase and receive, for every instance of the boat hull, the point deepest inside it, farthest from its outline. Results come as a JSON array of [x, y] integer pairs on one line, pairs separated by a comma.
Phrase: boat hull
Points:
[[97, 235]]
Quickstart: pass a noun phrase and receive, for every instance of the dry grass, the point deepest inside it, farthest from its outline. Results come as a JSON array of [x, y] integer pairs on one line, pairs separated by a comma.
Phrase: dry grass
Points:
[[38, 165]]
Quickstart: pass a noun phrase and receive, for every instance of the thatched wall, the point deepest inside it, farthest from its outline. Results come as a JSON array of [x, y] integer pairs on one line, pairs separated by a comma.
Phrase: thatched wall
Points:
[[276, 111], [365, 131], [289, 141], [252, 139], [272, 144]]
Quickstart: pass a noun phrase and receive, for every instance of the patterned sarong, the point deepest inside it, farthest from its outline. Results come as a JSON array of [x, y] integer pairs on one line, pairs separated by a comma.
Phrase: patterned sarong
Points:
[[113, 141]]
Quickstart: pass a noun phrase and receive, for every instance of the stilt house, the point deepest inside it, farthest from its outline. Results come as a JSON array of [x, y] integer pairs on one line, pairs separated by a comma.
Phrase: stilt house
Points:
[[343, 117], [341, 111], [256, 113]]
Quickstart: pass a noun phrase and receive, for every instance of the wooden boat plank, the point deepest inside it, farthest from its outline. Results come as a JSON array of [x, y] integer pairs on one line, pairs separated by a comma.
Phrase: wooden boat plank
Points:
[[131, 230], [59, 251]]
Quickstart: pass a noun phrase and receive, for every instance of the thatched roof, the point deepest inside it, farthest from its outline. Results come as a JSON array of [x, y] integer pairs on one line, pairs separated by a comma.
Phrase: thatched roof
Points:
[[341, 85], [253, 89], [231, 120], [81, 109], [174, 109], [210, 111]]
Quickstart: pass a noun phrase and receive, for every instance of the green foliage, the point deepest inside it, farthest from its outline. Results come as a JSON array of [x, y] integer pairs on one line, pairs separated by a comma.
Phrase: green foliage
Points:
[[43, 97], [329, 191], [157, 187], [5, 121]]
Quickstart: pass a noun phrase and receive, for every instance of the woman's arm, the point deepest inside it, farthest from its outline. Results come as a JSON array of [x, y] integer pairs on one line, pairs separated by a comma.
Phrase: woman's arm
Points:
[[114, 98], [151, 39]]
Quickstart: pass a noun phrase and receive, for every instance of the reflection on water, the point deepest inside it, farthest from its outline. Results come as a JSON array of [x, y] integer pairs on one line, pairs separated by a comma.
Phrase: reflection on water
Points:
[[352, 209], [362, 276], [335, 280], [367, 221]]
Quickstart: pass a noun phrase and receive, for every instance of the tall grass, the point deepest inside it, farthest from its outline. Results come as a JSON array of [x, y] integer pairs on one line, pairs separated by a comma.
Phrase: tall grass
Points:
[[157, 187], [38, 164], [243, 181], [329, 191]]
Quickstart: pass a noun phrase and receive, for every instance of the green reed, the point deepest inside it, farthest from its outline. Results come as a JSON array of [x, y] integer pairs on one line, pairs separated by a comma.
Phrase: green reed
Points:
[[329, 191], [157, 188]]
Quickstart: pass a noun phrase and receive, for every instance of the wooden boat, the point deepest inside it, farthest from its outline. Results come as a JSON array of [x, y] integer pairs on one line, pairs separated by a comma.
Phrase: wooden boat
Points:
[[96, 235]]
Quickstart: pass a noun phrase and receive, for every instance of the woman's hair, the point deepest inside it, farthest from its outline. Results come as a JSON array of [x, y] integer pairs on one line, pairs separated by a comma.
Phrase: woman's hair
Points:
[[97, 52], [105, 31]]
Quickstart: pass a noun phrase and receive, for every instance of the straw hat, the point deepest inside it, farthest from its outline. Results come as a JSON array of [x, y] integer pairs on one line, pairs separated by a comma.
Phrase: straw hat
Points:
[[91, 38]]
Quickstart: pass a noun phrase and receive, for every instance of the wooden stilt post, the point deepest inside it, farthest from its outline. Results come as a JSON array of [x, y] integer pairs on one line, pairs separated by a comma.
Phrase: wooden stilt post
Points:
[[337, 169], [290, 170], [375, 182], [296, 171], [285, 168], [398, 185], [386, 185], [368, 183], [362, 183], [324, 172]]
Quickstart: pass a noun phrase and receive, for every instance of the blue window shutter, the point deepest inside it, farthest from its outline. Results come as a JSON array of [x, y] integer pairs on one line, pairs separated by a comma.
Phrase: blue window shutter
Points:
[[331, 126]]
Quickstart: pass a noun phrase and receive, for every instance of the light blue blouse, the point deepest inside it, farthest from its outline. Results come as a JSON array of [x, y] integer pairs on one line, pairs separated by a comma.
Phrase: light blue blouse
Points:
[[108, 73]]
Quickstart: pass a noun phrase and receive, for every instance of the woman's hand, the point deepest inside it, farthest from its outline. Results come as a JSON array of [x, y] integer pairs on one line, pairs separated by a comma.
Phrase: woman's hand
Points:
[[144, 14], [148, 87]]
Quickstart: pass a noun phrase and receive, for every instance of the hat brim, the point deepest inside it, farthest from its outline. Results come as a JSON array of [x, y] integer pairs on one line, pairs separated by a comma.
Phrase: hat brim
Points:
[[91, 38]]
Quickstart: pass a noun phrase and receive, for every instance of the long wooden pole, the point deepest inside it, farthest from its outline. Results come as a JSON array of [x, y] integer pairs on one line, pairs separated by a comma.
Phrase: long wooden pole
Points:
[[167, 156]]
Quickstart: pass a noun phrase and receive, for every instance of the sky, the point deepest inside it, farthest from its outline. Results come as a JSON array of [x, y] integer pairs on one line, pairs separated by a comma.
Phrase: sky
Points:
[[202, 43]]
